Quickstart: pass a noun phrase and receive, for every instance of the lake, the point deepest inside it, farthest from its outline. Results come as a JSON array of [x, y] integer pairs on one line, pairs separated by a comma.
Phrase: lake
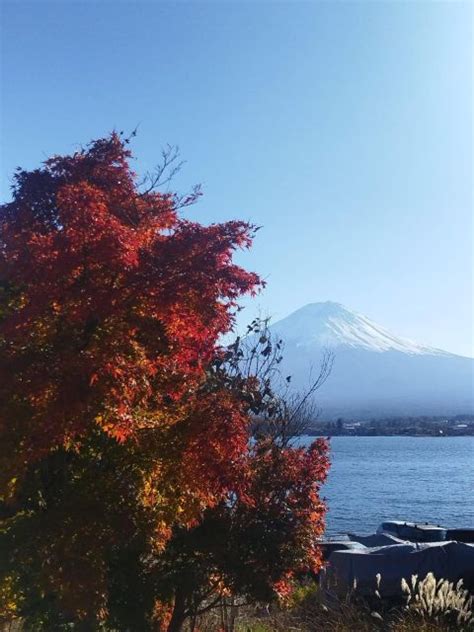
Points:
[[421, 479]]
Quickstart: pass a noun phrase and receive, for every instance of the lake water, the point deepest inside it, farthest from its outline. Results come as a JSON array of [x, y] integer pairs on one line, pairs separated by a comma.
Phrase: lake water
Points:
[[420, 479]]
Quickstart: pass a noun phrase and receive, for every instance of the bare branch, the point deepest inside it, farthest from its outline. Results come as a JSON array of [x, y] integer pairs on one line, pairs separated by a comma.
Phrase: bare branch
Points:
[[164, 172], [277, 412]]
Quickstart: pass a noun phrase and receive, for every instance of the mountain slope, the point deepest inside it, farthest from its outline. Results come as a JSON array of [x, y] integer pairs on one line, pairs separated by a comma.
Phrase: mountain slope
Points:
[[375, 372]]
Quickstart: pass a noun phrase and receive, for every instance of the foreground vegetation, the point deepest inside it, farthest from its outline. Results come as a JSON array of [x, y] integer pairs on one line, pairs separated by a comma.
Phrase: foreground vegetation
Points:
[[428, 605]]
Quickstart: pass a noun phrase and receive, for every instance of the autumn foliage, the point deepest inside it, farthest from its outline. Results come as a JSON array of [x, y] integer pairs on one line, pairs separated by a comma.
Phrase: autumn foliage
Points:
[[119, 438]]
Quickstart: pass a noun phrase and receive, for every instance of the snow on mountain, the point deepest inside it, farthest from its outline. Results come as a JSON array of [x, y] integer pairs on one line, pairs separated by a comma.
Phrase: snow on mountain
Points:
[[375, 372], [332, 325]]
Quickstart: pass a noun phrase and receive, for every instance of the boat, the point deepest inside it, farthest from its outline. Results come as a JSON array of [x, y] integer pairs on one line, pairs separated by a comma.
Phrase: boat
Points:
[[398, 550], [425, 532], [461, 535], [413, 531]]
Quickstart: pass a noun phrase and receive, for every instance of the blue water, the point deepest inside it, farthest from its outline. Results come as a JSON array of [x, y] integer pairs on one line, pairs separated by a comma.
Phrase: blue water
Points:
[[426, 479]]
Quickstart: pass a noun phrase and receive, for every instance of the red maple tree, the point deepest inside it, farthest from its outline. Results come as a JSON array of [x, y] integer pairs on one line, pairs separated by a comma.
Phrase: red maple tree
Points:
[[114, 431]]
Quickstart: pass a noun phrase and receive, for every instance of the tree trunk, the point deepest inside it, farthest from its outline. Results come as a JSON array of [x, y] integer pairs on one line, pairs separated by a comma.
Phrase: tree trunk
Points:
[[178, 617]]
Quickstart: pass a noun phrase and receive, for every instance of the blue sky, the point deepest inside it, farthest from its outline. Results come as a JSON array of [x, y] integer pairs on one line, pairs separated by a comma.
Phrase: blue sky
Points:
[[344, 129]]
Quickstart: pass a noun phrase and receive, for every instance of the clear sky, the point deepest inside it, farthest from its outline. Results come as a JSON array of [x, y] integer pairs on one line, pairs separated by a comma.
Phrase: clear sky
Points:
[[344, 129]]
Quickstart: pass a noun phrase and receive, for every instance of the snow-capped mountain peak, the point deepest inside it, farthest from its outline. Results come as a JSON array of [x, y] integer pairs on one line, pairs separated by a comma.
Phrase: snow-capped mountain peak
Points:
[[332, 325], [375, 373]]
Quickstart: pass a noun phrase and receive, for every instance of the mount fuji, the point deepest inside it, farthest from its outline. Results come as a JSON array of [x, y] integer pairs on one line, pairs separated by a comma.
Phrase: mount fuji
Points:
[[375, 373]]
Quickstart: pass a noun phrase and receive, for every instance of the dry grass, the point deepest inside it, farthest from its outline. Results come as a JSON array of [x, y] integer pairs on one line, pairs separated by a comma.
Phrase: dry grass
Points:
[[429, 606]]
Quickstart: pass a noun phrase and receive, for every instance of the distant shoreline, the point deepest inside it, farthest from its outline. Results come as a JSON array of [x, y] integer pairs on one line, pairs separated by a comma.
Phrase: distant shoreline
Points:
[[439, 436], [457, 426]]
